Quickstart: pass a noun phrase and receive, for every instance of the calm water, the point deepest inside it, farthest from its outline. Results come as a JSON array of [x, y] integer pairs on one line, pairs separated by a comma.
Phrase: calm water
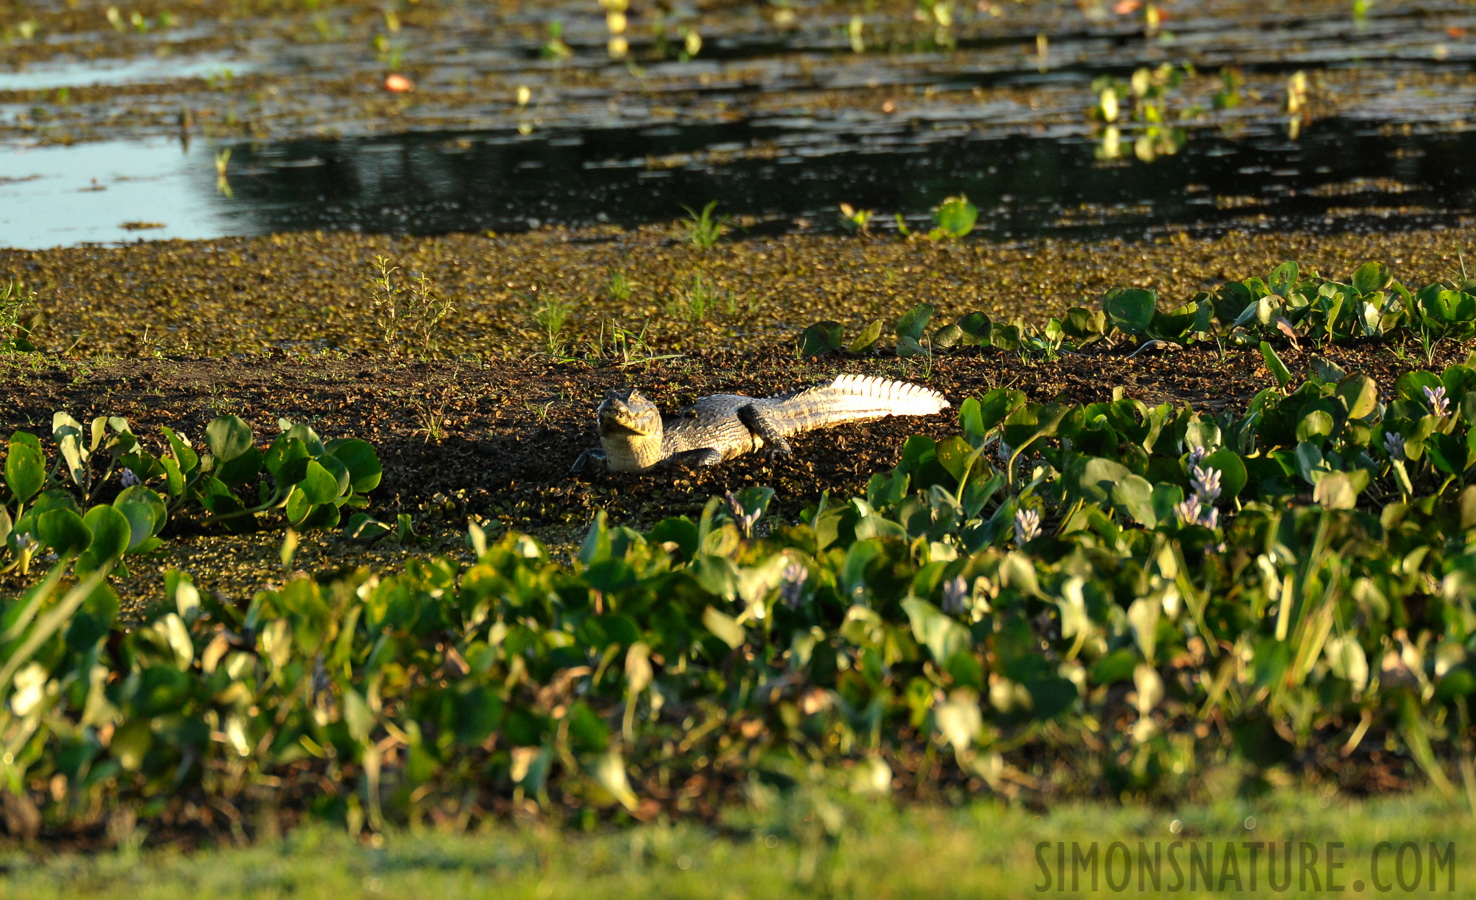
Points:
[[1340, 174]]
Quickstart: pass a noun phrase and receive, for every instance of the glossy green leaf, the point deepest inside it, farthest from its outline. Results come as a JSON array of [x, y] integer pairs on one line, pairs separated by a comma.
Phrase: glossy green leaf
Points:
[[1130, 309], [25, 470], [63, 531]]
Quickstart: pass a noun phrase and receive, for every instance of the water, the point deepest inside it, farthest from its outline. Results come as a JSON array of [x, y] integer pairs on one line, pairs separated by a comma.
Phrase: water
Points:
[[786, 174], [49, 76], [52, 196]]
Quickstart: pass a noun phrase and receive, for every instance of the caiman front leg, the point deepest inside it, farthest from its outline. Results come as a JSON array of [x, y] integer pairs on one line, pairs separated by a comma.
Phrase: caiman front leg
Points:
[[595, 453], [754, 419], [702, 456]]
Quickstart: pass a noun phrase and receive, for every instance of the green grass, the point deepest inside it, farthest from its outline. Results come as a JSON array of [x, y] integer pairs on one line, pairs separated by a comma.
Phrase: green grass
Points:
[[772, 850]]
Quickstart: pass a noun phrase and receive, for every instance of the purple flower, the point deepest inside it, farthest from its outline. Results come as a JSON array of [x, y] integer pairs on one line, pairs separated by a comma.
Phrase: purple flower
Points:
[[128, 478], [955, 596], [1195, 511], [1206, 485], [1438, 404], [1027, 526], [1188, 510], [793, 586], [1394, 445]]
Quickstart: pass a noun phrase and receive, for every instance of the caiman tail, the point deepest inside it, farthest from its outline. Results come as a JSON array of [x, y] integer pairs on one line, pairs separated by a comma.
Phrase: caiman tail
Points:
[[855, 398]]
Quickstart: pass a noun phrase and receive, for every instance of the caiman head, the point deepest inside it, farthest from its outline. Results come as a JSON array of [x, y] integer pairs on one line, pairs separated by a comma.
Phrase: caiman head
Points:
[[630, 430]]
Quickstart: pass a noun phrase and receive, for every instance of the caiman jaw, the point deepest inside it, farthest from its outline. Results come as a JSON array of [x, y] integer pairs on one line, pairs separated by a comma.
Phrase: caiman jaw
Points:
[[630, 431]]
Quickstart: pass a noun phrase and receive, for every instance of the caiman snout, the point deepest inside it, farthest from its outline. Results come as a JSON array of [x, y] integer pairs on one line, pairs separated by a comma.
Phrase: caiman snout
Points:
[[626, 411]]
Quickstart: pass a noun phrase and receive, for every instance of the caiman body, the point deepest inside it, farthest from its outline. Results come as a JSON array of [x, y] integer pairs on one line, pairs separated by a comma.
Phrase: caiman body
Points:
[[634, 437]]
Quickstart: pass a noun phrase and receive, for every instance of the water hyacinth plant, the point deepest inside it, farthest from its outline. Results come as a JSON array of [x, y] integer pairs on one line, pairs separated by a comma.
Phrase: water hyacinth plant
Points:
[[1290, 305], [1057, 623], [298, 480]]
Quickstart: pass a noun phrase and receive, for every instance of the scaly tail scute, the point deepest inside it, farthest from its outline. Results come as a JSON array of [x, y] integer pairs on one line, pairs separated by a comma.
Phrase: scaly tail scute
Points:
[[857, 398]]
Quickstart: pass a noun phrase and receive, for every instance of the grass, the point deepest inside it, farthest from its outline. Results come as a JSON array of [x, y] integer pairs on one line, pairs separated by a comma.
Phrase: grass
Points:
[[701, 298], [703, 230], [551, 317], [820, 846]]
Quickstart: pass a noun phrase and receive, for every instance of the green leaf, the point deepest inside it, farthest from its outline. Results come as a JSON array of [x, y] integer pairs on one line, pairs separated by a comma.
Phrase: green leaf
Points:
[[914, 323], [1130, 309], [227, 437], [1097, 478], [287, 460], [318, 484], [957, 455], [907, 348], [67, 432], [1370, 277], [187, 458], [239, 469], [364, 527], [723, 626], [1083, 325], [947, 337], [939, 632], [340, 473], [955, 216], [25, 470], [143, 521], [1411, 386], [820, 338], [63, 531], [1006, 337], [1359, 395], [1233, 476], [1284, 278], [1276, 366], [174, 480], [865, 340], [309, 438], [1339, 490], [111, 535], [678, 530], [978, 327], [362, 462], [1314, 425], [1134, 495]]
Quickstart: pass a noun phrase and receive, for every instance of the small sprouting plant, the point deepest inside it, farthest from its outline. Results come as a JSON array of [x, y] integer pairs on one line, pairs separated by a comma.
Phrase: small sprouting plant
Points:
[[430, 417], [554, 47], [624, 347], [1429, 341], [620, 287], [699, 299], [551, 317], [703, 230], [407, 314], [14, 316], [857, 220]]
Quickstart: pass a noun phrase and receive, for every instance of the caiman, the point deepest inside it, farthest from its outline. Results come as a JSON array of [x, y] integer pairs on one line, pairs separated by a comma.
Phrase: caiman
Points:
[[635, 438]]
